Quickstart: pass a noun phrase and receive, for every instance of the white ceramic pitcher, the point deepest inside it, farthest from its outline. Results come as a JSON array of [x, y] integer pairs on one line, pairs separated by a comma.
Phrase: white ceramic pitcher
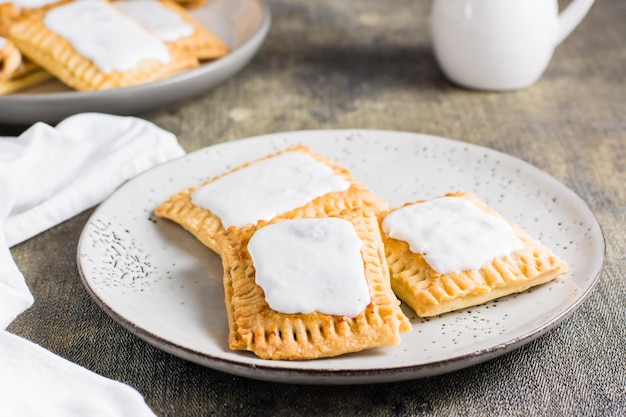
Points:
[[500, 44]]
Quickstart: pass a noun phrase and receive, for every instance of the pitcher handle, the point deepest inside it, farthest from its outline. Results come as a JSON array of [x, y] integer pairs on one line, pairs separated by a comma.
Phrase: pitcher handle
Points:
[[571, 17]]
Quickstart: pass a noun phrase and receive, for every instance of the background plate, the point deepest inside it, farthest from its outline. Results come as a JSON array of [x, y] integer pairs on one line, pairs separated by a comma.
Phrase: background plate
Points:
[[242, 24], [164, 286]]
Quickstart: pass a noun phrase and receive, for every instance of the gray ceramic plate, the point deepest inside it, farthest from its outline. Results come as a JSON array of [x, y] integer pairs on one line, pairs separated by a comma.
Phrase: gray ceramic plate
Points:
[[242, 24], [160, 283]]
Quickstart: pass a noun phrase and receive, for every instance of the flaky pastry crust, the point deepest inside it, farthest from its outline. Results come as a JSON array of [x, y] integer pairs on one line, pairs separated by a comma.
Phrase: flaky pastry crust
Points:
[[430, 293], [204, 225], [270, 334], [57, 55]]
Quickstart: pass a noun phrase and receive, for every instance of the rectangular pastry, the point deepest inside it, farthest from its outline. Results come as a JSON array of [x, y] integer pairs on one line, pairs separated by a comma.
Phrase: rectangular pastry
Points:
[[91, 45], [455, 252], [27, 75], [10, 59], [294, 180], [175, 26], [291, 294], [16, 71]]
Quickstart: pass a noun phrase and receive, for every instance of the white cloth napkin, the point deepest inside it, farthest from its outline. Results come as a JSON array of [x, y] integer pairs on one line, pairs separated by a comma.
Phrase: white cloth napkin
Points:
[[47, 175]]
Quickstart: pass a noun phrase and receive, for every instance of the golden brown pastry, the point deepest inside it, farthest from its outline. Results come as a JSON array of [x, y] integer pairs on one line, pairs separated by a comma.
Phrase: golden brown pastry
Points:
[[17, 72], [204, 224], [190, 4], [201, 44], [10, 59], [27, 75], [10, 11], [59, 56], [270, 334], [431, 293]]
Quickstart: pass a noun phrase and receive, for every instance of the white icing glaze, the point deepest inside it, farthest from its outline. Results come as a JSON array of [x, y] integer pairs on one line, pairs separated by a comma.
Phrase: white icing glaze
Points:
[[307, 265], [267, 188], [102, 33], [29, 4], [158, 19], [452, 233], [3, 43]]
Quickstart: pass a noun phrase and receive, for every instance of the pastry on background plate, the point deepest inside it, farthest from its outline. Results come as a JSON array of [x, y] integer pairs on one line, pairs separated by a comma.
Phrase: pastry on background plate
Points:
[[11, 10], [190, 4], [175, 26], [92, 45], [10, 59], [304, 288], [294, 180], [16, 71], [454, 252]]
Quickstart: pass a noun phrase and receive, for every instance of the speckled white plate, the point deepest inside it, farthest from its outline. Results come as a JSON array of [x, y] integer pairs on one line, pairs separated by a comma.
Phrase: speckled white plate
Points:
[[157, 281], [242, 24]]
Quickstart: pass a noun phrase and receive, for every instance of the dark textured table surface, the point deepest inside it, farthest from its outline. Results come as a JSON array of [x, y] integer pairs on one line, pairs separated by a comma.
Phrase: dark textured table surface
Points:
[[369, 64]]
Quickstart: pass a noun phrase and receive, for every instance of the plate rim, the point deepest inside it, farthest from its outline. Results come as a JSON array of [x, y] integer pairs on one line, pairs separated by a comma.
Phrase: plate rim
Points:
[[340, 376]]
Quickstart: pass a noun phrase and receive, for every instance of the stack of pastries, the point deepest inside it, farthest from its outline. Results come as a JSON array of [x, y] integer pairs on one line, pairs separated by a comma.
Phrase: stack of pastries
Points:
[[100, 44], [285, 225]]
